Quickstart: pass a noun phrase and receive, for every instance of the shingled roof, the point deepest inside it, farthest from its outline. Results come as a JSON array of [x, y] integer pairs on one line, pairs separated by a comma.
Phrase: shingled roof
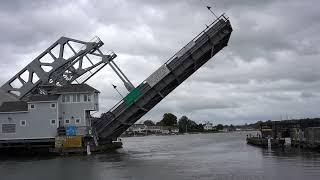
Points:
[[74, 88], [43, 98], [14, 106]]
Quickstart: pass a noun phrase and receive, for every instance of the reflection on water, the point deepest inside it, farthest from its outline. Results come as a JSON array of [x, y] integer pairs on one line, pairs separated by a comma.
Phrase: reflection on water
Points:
[[197, 156]]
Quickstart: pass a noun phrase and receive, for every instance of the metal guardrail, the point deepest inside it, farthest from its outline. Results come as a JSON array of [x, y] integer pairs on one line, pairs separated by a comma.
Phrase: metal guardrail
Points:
[[223, 17]]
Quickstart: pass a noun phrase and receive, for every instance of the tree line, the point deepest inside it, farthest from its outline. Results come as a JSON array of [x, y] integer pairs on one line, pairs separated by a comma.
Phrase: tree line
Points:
[[184, 123]]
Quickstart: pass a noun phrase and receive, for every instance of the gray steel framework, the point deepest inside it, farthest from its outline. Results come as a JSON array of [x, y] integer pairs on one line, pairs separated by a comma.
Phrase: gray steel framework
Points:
[[178, 68], [66, 61], [56, 67]]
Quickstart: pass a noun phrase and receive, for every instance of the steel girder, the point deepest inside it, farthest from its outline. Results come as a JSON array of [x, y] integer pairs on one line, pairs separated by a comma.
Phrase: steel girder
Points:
[[64, 62]]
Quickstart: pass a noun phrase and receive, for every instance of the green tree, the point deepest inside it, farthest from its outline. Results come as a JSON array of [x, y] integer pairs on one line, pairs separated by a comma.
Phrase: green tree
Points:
[[201, 127], [191, 126], [159, 123], [168, 119], [219, 127], [232, 128], [148, 123], [183, 123]]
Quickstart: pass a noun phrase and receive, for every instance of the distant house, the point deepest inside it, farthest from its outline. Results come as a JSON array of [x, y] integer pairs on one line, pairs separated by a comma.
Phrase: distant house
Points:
[[175, 130], [39, 116], [169, 130], [141, 128], [137, 128], [208, 126], [153, 129]]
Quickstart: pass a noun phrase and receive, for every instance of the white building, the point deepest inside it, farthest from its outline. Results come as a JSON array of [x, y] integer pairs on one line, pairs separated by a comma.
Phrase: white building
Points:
[[38, 117], [208, 126]]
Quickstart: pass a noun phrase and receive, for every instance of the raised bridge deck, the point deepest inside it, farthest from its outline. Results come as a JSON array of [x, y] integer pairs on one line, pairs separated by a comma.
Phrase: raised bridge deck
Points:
[[164, 80]]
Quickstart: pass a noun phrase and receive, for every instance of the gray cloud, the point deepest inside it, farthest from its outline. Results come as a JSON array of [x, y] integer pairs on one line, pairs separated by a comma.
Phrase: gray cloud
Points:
[[269, 68]]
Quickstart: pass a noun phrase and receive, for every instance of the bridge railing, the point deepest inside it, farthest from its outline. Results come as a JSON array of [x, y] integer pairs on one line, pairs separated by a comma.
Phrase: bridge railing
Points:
[[188, 46]]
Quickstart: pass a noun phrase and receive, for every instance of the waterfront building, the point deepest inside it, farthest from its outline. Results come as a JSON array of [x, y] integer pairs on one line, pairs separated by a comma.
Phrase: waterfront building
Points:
[[40, 116], [143, 129], [154, 129], [208, 126], [137, 128]]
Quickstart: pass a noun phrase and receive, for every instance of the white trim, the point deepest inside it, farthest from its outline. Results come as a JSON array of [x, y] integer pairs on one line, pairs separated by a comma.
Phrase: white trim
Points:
[[25, 123]]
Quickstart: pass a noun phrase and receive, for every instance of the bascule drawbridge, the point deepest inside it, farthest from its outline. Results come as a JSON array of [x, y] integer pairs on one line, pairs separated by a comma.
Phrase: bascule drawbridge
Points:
[[70, 61]]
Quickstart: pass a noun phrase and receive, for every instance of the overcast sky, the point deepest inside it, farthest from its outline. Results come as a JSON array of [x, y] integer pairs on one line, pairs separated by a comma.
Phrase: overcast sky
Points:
[[269, 69]]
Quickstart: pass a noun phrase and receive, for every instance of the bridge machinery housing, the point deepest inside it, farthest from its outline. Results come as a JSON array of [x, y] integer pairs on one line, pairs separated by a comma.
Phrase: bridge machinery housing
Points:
[[48, 103]]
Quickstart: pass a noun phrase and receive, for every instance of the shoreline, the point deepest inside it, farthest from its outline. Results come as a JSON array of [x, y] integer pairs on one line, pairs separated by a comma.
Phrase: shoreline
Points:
[[212, 132]]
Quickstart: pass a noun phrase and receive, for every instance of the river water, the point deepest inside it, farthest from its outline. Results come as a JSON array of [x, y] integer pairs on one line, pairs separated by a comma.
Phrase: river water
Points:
[[193, 156]]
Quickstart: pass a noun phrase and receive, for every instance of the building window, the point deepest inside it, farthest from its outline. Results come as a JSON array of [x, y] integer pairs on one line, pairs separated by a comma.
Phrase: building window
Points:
[[32, 106], [8, 128], [86, 98], [74, 98], [66, 98], [53, 105], [53, 121], [78, 97], [67, 121], [23, 123], [78, 120]]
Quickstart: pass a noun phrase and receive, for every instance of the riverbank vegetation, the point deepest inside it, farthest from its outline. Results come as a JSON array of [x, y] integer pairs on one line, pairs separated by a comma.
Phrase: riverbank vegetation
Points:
[[186, 125]]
